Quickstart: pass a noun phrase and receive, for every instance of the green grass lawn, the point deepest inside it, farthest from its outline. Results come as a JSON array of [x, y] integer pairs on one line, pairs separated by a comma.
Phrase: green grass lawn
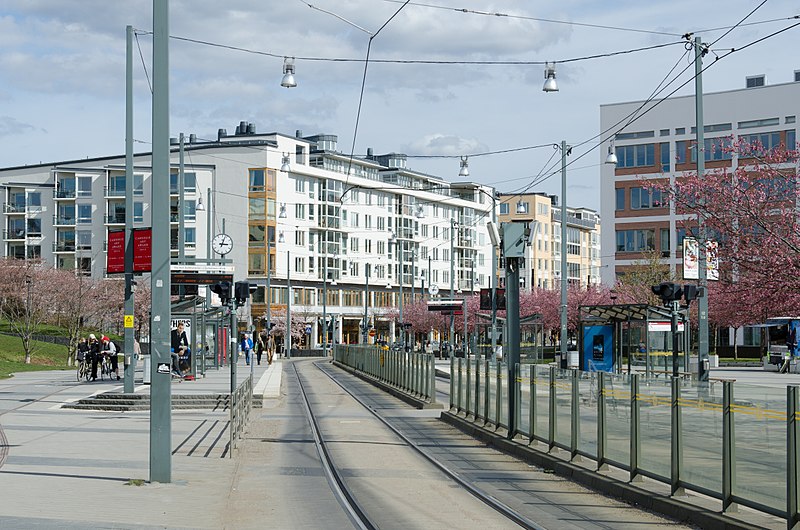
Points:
[[47, 356]]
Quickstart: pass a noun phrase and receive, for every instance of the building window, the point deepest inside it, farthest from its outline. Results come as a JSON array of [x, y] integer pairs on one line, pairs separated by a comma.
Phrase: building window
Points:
[[256, 208], [34, 227], [35, 252], [755, 81], [503, 208], [84, 186], [761, 144], [634, 135], [641, 155], [138, 184], [635, 240], [257, 182], [190, 236], [680, 151], [643, 198], [83, 240], [620, 198], [664, 242], [299, 265], [138, 212], [680, 131], [300, 211], [300, 238], [300, 185], [34, 199], [257, 235], [665, 161], [663, 132], [768, 122], [84, 213], [543, 208]]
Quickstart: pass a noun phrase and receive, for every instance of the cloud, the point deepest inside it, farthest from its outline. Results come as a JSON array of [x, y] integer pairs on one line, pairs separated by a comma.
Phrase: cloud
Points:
[[443, 144], [11, 126]]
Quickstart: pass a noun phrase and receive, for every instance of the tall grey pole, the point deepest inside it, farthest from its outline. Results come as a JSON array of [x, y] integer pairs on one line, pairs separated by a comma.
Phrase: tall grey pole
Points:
[[413, 276], [269, 278], [702, 302], [288, 338], [430, 281], [181, 202], [494, 280], [209, 237], [365, 329], [161, 378], [402, 322], [453, 225], [512, 324], [130, 358], [325, 292], [563, 335]]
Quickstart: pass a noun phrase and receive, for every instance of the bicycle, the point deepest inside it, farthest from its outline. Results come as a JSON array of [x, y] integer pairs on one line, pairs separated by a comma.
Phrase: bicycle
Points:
[[84, 371], [105, 367]]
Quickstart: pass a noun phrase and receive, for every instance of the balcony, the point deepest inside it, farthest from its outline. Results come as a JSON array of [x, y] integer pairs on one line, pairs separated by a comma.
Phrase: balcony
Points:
[[113, 192], [63, 194], [115, 219], [63, 220], [13, 208], [64, 246], [14, 234]]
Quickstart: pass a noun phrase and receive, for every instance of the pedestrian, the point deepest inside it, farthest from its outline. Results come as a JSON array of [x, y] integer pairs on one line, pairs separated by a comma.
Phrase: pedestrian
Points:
[[95, 349], [110, 349], [247, 347], [259, 348], [270, 345], [83, 350]]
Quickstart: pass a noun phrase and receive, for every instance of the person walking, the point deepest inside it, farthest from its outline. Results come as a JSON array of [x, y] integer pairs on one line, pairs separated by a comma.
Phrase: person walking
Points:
[[247, 347], [270, 348], [259, 348]]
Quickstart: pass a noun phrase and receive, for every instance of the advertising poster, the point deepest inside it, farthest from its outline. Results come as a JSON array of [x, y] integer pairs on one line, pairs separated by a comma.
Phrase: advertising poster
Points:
[[598, 349], [691, 256]]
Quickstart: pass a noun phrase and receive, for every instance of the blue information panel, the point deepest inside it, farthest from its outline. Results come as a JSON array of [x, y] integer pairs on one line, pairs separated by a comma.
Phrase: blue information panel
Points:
[[598, 349]]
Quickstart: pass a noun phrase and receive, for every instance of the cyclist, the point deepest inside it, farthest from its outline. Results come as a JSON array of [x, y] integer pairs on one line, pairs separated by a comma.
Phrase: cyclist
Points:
[[110, 349], [95, 349]]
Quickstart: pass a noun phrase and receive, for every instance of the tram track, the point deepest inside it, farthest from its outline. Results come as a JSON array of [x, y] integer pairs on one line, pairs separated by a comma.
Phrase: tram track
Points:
[[348, 498]]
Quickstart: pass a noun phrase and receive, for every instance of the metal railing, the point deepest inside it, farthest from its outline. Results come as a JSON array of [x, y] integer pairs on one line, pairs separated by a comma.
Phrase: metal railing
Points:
[[411, 373], [240, 406], [739, 446]]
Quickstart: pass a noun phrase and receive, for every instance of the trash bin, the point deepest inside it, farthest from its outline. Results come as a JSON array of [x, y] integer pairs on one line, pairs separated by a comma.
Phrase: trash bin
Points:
[[146, 368]]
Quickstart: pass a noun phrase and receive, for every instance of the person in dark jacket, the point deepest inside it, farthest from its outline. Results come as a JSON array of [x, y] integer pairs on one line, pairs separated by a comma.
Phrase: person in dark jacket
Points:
[[95, 351]]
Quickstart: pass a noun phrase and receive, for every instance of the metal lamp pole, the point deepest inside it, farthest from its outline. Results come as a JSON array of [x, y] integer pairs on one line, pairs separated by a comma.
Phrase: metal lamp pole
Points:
[[288, 337], [563, 335], [130, 358], [453, 226], [325, 294], [365, 328]]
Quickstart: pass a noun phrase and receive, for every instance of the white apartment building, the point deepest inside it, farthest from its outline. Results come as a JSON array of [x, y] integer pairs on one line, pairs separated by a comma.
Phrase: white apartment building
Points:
[[661, 144], [355, 214]]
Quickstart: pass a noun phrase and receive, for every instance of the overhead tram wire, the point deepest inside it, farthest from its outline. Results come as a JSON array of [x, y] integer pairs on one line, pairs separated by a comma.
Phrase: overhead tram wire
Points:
[[661, 100], [417, 61]]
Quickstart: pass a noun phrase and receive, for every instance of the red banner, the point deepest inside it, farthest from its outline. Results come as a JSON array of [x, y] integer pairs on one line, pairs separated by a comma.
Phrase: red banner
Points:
[[115, 257], [142, 249]]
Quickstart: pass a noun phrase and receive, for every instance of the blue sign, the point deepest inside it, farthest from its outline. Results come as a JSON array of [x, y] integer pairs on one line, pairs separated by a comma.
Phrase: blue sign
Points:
[[308, 329], [598, 349]]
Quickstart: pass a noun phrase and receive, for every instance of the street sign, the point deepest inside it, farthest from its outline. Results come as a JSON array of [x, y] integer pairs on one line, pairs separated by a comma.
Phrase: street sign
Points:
[[128, 321], [372, 333], [308, 329], [197, 278], [445, 305]]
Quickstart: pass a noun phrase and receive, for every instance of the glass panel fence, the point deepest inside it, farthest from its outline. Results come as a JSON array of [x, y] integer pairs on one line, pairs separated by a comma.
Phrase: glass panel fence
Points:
[[524, 405], [563, 386], [701, 421], [503, 393], [587, 411], [493, 392], [542, 420], [618, 419], [655, 403], [759, 417]]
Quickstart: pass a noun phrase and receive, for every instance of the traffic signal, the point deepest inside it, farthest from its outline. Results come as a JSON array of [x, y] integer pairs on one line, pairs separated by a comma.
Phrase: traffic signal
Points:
[[486, 299], [500, 299], [242, 292], [223, 290], [668, 291]]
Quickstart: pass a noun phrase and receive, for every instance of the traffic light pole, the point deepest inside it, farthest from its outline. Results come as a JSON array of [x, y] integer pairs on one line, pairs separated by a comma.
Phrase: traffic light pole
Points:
[[234, 356], [675, 307]]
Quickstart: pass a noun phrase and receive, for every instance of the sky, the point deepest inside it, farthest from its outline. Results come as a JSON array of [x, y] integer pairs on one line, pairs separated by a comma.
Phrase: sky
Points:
[[62, 75]]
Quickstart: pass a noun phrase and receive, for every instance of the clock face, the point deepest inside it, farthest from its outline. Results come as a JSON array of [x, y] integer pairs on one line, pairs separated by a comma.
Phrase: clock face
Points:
[[222, 244], [433, 289]]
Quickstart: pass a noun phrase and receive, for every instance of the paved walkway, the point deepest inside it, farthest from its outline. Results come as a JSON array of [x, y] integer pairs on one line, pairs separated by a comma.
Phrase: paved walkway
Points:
[[62, 468]]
